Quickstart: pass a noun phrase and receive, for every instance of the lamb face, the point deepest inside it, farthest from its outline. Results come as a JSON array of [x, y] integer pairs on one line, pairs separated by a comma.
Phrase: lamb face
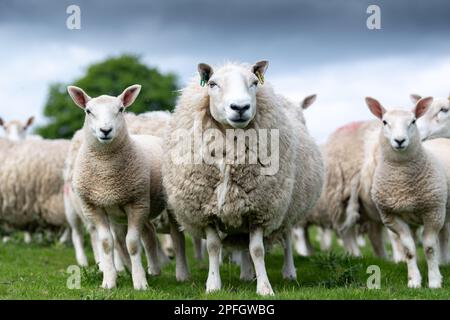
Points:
[[232, 92], [104, 114], [399, 126]]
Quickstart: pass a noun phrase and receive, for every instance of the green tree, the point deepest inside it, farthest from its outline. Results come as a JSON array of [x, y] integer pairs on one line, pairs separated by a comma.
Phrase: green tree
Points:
[[110, 77]]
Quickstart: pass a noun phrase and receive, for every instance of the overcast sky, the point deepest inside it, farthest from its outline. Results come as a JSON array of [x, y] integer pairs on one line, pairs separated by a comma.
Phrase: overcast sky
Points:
[[313, 46]]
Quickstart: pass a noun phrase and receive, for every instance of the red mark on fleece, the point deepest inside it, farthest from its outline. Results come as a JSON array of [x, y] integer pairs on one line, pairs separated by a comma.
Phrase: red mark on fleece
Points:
[[351, 127], [66, 188]]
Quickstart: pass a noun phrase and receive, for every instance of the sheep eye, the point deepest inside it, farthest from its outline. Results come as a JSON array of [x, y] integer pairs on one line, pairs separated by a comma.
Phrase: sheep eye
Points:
[[88, 111], [414, 121], [384, 122], [444, 110], [212, 84], [255, 83], [121, 109]]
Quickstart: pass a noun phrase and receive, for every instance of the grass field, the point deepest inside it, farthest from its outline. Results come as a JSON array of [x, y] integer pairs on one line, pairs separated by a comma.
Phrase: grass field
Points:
[[39, 271]]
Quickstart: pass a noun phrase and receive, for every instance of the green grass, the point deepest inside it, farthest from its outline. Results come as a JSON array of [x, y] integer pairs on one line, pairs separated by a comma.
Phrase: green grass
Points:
[[39, 271]]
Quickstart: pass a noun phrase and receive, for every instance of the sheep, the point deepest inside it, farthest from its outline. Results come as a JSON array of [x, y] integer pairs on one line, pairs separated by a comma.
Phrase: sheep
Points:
[[151, 123], [440, 149], [117, 178], [31, 184], [248, 201], [15, 130], [338, 206], [409, 187], [299, 233], [435, 123]]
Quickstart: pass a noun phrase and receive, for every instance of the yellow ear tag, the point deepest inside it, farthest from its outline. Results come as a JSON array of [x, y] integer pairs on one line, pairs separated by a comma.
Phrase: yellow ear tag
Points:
[[260, 77]]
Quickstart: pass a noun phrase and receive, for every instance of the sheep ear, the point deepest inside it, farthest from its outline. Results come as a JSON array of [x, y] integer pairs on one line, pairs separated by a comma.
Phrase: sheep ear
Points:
[[422, 106], [129, 95], [29, 122], [259, 69], [78, 96], [309, 100], [205, 71], [375, 107], [415, 97]]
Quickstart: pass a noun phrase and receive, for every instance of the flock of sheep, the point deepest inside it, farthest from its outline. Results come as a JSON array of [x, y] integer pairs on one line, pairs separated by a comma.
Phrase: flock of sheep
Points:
[[120, 178]]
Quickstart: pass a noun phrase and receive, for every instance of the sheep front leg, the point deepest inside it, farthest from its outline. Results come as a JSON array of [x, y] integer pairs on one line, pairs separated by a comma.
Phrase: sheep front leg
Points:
[[301, 241], [136, 215], [179, 246], [376, 239], [263, 286], [289, 272], [213, 246], [77, 240], [121, 257], [247, 271], [76, 225], [430, 246], [151, 247], [350, 243], [106, 243], [198, 248], [403, 231], [444, 235], [398, 255]]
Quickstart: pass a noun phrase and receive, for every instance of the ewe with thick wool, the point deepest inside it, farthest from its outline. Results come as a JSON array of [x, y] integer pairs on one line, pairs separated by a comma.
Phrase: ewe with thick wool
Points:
[[31, 184], [150, 123], [16, 130], [409, 187], [117, 177], [226, 201]]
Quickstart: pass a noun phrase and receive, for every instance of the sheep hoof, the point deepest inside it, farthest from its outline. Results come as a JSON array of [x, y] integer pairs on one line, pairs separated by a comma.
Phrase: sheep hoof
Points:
[[140, 285], [414, 283], [182, 276], [435, 283], [83, 263], [265, 290], [108, 284], [290, 275], [154, 271], [213, 285]]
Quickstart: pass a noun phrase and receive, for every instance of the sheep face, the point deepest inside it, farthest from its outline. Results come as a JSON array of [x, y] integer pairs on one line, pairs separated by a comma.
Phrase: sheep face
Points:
[[232, 92], [399, 126], [16, 130], [435, 123], [104, 115]]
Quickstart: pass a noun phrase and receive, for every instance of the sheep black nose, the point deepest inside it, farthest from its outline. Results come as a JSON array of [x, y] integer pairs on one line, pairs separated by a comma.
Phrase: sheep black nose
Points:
[[399, 142], [106, 131], [240, 108]]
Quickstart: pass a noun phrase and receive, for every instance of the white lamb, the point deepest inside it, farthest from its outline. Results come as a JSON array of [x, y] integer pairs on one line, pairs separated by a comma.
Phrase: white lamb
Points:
[[410, 187], [117, 178], [151, 123], [229, 201]]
